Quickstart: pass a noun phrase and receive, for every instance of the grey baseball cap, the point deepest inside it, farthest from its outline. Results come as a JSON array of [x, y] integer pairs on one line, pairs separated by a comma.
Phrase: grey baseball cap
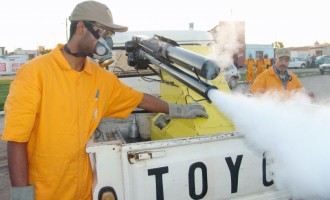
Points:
[[282, 53], [98, 12]]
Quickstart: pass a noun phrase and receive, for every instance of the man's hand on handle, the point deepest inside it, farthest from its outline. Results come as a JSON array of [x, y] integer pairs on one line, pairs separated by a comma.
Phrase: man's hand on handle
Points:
[[188, 111]]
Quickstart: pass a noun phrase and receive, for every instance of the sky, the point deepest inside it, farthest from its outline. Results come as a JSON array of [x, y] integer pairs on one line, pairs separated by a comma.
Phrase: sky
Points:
[[28, 24]]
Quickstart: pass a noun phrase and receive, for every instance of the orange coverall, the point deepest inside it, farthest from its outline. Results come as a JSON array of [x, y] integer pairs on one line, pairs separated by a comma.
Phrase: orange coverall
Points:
[[260, 65], [250, 70], [56, 110], [268, 63], [269, 81]]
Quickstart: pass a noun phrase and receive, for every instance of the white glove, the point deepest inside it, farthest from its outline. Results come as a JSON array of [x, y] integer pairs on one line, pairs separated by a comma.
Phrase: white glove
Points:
[[22, 193], [188, 111]]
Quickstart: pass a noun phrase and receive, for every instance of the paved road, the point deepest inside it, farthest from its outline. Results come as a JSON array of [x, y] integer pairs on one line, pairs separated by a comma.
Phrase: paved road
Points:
[[318, 84]]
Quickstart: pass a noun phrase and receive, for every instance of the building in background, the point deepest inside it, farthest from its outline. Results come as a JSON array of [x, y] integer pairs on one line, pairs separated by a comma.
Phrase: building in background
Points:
[[326, 50], [260, 49], [31, 53], [301, 52], [230, 41], [12, 62], [2, 51], [319, 50]]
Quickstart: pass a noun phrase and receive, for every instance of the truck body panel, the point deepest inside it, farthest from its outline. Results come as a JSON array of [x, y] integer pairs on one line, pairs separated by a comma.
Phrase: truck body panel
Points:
[[220, 166]]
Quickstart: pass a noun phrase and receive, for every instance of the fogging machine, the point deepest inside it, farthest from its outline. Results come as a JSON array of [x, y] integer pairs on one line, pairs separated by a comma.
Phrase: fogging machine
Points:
[[167, 55]]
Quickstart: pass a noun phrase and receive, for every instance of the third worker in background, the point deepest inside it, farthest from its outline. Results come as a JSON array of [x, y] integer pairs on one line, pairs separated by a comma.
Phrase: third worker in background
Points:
[[267, 61], [249, 62], [260, 64], [278, 78]]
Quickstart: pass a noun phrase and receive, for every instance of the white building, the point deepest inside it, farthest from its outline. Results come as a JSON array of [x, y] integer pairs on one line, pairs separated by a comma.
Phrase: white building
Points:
[[259, 49], [2, 51], [11, 64], [31, 53]]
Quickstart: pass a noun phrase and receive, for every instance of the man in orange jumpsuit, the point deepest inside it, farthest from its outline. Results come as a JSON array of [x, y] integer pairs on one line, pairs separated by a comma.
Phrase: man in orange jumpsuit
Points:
[[56, 102], [267, 61], [260, 65], [278, 78], [250, 69]]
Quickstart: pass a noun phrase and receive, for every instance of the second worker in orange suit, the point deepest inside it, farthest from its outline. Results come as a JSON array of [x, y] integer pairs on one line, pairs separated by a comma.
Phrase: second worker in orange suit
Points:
[[250, 69], [277, 78]]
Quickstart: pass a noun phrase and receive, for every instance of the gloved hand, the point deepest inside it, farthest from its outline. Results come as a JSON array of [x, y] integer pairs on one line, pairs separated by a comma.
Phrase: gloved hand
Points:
[[188, 111], [22, 193]]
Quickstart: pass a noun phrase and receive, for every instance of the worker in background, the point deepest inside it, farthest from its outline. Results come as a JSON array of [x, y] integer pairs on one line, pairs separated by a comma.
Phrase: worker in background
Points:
[[249, 63], [267, 61], [260, 64], [313, 58], [278, 78], [56, 102]]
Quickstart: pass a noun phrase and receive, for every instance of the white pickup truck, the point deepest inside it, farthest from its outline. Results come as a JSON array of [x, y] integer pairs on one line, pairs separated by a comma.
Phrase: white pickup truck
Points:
[[150, 157], [297, 63]]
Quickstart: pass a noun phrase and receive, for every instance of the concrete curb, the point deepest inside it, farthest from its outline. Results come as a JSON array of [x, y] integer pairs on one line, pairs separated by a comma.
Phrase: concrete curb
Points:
[[308, 74]]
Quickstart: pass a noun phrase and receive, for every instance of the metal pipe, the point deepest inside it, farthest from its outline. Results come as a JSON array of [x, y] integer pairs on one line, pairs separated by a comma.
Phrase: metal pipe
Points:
[[201, 65], [200, 87]]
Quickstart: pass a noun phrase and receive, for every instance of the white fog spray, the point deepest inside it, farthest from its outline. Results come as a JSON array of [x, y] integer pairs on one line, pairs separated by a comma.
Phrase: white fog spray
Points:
[[294, 132]]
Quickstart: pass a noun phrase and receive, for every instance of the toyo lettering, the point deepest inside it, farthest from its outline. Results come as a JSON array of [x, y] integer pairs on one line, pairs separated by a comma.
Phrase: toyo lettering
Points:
[[233, 165]]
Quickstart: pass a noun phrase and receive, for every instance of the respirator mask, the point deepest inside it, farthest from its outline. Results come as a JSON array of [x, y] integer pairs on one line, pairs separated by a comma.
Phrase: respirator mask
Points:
[[103, 50]]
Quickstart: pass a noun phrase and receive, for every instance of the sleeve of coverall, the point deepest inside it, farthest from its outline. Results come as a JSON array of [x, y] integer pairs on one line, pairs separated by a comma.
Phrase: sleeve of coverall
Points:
[[299, 85], [123, 99], [296, 82], [258, 85], [21, 105]]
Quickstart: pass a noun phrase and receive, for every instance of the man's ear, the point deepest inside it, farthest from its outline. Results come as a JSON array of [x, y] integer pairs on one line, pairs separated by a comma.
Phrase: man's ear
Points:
[[80, 28]]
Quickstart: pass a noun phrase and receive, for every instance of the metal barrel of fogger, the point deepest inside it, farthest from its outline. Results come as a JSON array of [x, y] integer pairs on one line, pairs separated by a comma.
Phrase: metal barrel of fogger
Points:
[[203, 66], [200, 87]]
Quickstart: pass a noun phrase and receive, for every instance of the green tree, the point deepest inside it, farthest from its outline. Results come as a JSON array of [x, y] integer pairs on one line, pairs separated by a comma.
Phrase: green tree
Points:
[[278, 44], [42, 52]]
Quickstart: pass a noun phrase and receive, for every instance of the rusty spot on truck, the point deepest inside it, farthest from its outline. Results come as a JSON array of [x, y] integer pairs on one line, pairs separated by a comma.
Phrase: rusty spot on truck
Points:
[[130, 156]]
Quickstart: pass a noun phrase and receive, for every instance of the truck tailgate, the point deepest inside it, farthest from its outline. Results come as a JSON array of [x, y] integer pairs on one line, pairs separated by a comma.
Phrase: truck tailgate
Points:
[[208, 167]]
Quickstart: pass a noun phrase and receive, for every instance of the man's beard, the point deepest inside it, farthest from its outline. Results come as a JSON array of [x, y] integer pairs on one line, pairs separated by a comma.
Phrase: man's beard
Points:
[[282, 66]]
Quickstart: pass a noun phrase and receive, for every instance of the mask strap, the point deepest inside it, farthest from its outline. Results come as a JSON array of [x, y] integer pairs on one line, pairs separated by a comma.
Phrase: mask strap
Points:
[[66, 49], [89, 26]]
